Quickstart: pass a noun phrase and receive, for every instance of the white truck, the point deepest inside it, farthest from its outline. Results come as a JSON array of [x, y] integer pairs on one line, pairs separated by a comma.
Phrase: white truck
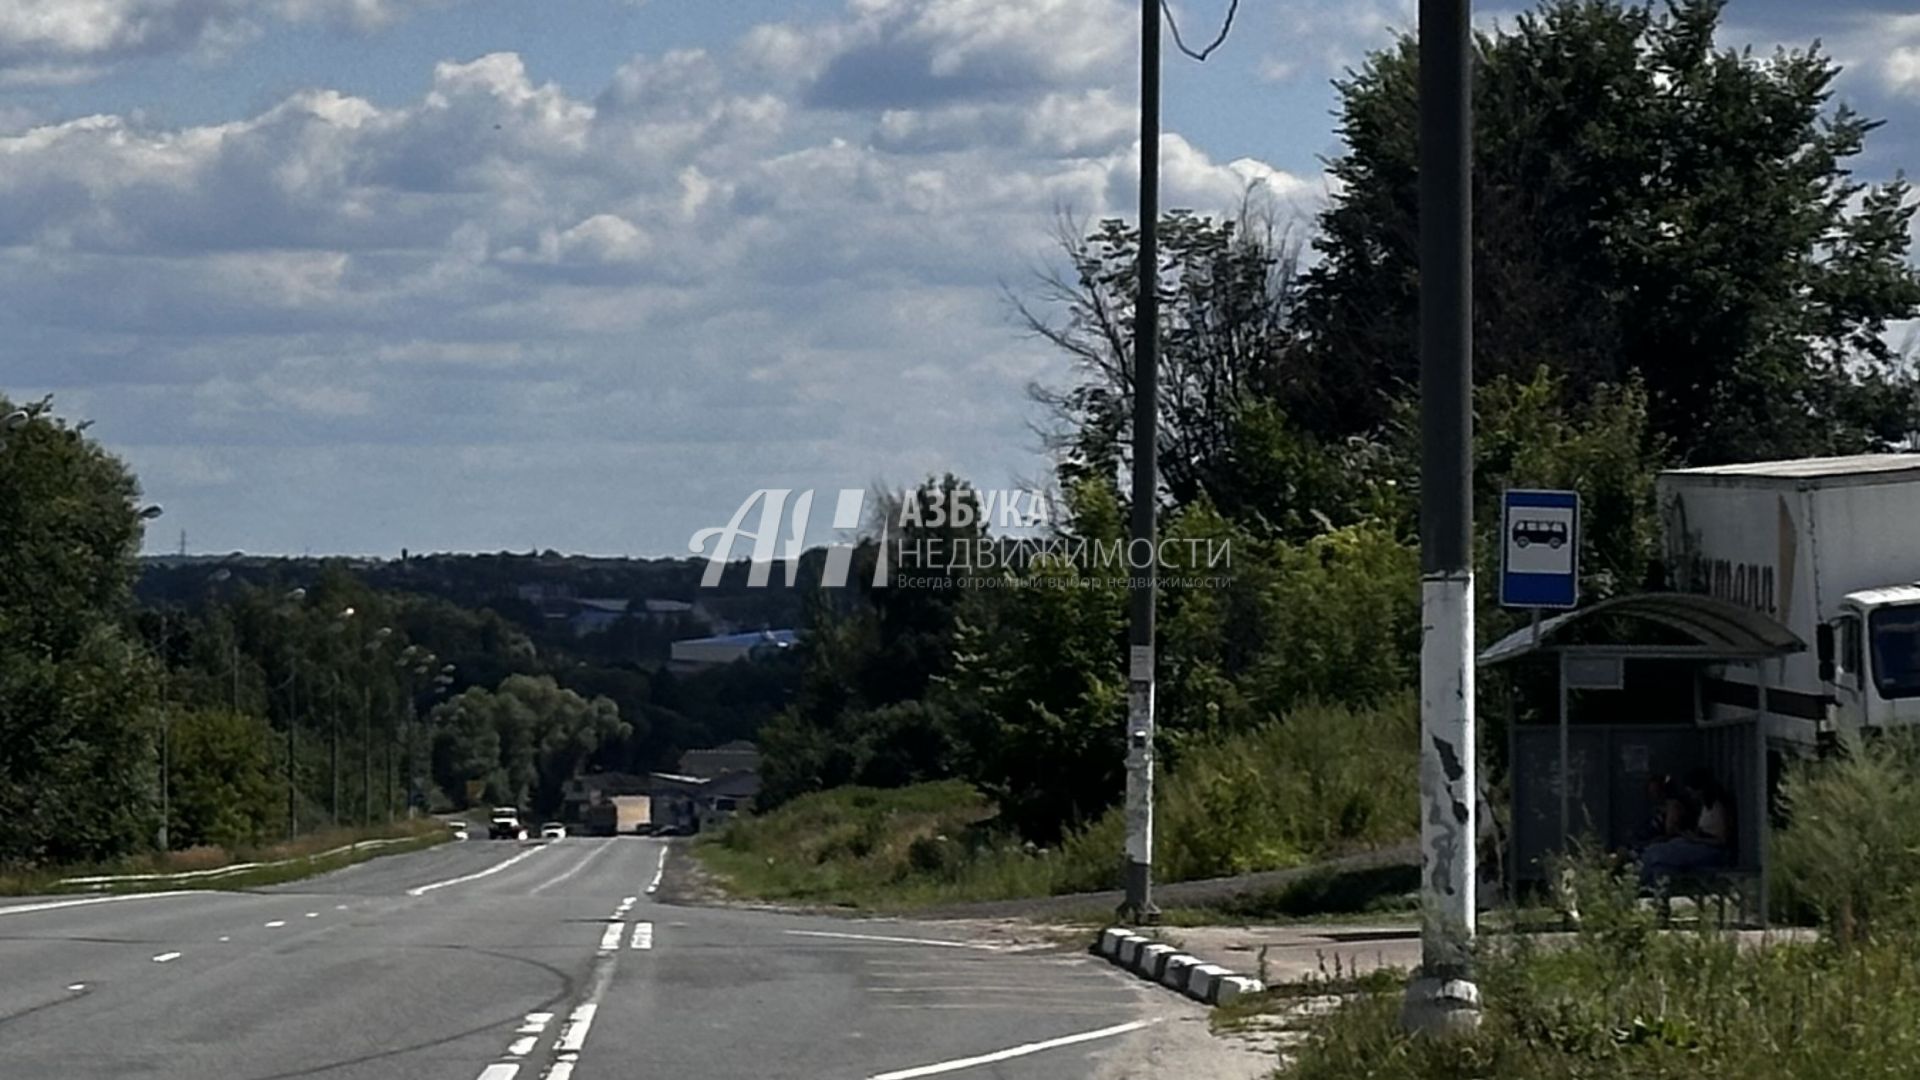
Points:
[[1830, 548]]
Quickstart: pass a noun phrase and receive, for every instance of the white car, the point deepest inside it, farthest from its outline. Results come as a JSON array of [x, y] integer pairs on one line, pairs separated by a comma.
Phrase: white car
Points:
[[553, 830]]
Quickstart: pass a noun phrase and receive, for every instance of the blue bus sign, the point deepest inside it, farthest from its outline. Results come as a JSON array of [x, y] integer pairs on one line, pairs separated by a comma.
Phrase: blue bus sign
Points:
[[1540, 549]]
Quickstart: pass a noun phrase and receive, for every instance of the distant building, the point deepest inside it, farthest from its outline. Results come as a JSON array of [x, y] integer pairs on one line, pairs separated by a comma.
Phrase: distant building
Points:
[[694, 803], [709, 787], [697, 653], [593, 616]]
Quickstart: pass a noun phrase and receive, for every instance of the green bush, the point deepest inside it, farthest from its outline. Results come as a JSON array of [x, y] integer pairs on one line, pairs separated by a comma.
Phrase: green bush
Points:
[[1851, 851]]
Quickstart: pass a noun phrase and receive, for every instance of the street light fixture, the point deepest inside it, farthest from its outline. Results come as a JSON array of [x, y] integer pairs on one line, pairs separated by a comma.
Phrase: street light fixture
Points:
[[13, 422]]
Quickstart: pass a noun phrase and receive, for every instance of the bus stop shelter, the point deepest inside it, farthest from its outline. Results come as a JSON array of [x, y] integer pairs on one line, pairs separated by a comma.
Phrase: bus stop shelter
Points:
[[1631, 674]]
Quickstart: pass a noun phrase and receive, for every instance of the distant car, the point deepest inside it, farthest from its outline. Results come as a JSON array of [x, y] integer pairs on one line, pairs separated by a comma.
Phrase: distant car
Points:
[[553, 830], [671, 830], [460, 830]]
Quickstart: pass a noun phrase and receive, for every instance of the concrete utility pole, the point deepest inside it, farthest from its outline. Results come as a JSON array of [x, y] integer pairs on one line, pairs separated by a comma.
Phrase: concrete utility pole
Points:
[[1139, 906], [1442, 998]]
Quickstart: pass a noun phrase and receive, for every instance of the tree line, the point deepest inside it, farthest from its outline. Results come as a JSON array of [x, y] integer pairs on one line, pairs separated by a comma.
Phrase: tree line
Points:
[[1674, 265]]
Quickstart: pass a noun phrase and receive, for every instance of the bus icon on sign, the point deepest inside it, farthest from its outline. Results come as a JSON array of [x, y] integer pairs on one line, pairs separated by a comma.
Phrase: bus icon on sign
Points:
[[1551, 533]]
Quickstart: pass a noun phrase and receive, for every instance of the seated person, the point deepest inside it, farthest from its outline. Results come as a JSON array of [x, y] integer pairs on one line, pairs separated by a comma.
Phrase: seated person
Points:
[[1668, 813], [1707, 844]]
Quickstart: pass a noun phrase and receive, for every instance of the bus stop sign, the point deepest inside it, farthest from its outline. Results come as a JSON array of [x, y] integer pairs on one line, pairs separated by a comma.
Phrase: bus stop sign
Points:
[[1540, 549]]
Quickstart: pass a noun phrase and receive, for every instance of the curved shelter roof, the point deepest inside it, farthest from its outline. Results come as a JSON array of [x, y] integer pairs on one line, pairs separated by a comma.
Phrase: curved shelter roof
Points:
[[1717, 630]]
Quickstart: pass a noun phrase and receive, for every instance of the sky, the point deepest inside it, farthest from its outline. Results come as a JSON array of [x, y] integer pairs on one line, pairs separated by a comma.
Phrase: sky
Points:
[[352, 276]]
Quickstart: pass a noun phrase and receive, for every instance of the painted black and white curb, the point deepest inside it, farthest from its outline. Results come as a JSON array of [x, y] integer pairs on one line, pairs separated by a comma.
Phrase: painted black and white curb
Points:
[[1168, 966]]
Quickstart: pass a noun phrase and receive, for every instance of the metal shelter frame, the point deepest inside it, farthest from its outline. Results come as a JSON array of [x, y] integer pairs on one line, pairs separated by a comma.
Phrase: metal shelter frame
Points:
[[1719, 632]]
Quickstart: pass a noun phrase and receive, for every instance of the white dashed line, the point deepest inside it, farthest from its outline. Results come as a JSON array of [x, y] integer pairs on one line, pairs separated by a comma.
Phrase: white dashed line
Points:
[[165, 957], [610, 938], [1011, 1052], [55, 905], [574, 1035], [276, 924], [500, 1070], [562, 1070], [77, 987], [523, 1046], [642, 935], [896, 940], [422, 890], [224, 939], [313, 914], [657, 872], [536, 1023]]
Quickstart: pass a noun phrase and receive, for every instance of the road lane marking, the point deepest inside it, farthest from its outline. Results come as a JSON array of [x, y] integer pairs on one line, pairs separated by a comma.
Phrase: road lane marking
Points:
[[313, 914], [226, 939], [422, 890], [536, 1023], [523, 1046], [165, 957], [574, 1035], [562, 1069], [1011, 1052], [610, 937], [896, 940], [76, 987], [658, 870], [55, 905], [500, 1070], [276, 924], [642, 935], [598, 851]]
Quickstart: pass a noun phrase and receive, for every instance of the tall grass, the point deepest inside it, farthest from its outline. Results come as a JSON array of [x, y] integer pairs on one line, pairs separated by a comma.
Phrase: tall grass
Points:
[[1625, 1000], [1323, 780], [1628, 1000]]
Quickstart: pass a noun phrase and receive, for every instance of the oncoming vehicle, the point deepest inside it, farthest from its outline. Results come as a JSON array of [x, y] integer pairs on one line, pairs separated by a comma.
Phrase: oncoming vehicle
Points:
[[553, 830], [505, 824], [460, 830]]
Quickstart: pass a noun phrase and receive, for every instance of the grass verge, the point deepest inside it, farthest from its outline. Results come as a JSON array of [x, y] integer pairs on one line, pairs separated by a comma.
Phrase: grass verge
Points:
[[1321, 781], [309, 855]]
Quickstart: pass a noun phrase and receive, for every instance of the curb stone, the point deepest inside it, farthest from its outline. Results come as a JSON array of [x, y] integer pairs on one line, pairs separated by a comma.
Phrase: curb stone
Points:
[[1159, 962]]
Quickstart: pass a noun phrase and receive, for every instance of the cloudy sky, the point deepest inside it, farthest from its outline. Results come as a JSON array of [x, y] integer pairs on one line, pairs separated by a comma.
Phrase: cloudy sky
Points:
[[357, 275]]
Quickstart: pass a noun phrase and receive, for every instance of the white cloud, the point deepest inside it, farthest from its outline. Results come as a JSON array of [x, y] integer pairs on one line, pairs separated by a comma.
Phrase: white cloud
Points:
[[506, 298], [57, 41]]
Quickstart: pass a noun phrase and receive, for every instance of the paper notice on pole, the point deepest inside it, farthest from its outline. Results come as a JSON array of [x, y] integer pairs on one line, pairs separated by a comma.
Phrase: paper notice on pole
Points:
[[1140, 663]]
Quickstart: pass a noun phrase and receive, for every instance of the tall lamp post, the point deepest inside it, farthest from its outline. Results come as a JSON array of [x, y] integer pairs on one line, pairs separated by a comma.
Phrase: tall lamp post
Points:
[[1139, 906], [1442, 998], [292, 601], [164, 840], [380, 638]]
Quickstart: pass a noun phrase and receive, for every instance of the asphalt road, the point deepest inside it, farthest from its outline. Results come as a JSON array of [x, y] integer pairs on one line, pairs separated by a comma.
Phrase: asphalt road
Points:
[[498, 961]]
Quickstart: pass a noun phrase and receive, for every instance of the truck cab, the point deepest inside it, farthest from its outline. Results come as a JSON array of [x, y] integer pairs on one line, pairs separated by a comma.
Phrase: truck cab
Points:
[[1870, 657], [504, 824]]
